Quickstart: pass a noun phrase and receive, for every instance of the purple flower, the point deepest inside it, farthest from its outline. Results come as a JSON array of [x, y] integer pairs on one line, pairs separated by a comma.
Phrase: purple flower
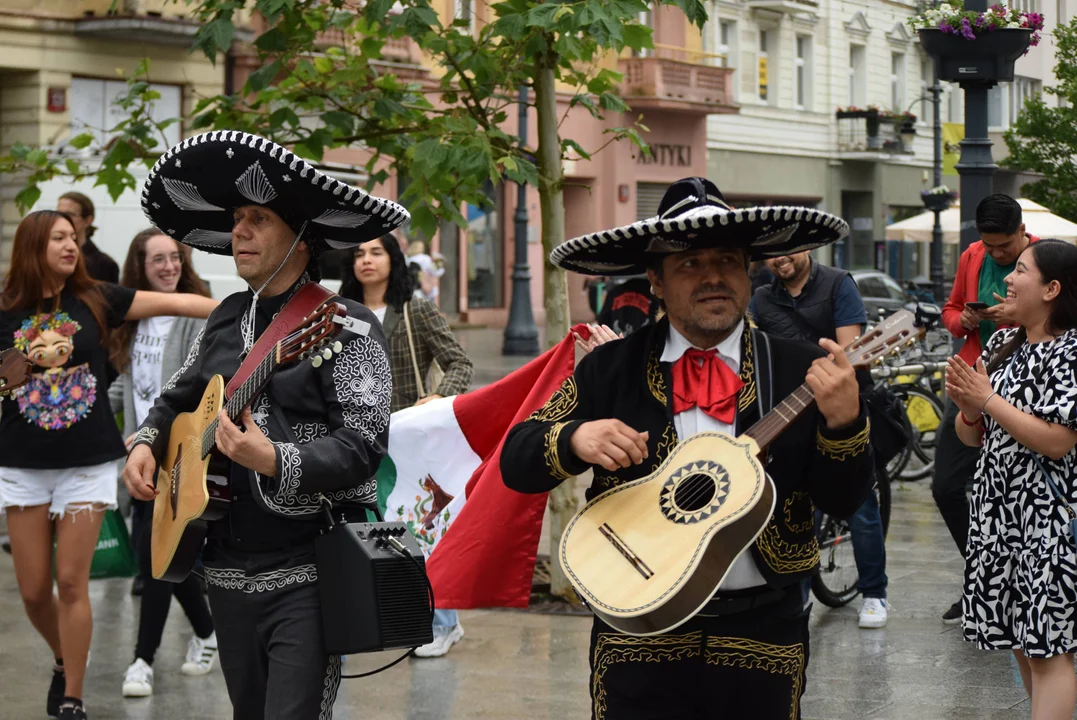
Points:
[[946, 27], [966, 29]]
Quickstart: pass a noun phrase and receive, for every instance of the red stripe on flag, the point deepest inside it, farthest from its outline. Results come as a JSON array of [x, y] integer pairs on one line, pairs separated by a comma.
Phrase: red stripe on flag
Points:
[[487, 557]]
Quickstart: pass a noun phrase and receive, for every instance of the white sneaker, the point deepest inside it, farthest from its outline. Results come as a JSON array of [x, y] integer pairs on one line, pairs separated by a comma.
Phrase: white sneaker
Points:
[[441, 643], [873, 613], [138, 680], [201, 654]]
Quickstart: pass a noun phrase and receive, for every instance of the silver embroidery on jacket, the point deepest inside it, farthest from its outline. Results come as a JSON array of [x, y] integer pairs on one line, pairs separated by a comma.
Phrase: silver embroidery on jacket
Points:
[[364, 385], [262, 582], [196, 348], [146, 435]]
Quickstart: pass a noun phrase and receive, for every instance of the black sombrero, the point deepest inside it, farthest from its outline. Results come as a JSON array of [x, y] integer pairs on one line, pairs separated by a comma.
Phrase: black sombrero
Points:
[[196, 185], [694, 214]]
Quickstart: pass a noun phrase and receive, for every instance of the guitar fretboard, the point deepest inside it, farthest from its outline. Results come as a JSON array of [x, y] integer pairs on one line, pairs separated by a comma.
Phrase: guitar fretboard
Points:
[[771, 425], [243, 396]]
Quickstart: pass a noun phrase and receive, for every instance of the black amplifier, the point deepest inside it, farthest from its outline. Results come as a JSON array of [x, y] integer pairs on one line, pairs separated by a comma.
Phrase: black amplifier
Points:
[[374, 589]]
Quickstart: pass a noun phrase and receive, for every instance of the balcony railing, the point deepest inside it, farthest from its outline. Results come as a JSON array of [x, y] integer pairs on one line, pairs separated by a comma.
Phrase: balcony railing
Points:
[[671, 81], [870, 131], [400, 50]]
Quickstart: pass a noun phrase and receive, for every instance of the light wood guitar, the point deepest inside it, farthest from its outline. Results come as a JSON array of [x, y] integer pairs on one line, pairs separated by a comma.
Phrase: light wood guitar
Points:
[[193, 478], [649, 554], [15, 371]]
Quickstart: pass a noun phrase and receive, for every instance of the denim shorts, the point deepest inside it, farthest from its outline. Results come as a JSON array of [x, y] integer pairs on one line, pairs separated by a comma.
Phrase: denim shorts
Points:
[[62, 490]]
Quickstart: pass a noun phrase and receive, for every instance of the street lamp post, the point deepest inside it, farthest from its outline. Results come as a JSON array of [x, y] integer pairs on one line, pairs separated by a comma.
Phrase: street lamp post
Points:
[[937, 278], [521, 334], [976, 166]]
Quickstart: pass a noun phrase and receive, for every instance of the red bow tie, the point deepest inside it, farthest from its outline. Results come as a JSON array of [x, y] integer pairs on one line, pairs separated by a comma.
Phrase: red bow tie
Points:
[[702, 379]]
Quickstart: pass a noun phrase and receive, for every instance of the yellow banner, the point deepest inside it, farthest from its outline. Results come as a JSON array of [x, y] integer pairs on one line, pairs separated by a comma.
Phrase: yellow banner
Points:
[[952, 135]]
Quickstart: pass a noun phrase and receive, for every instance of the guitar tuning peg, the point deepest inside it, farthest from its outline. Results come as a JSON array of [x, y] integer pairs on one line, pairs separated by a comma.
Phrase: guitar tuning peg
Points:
[[338, 347], [317, 361], [327, 353]]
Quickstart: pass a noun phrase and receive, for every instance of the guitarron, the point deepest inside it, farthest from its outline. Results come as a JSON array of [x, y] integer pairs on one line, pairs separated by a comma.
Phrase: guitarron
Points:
[[649, 554], [193, 478]]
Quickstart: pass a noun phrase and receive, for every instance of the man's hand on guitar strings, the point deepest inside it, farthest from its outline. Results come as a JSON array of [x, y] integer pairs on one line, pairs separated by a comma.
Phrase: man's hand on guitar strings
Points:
[[251, 449], [609, 443], [833, 383], [138, 473]]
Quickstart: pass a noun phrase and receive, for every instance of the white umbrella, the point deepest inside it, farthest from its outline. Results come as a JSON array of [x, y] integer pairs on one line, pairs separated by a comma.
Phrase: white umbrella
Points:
[[1039, 221]]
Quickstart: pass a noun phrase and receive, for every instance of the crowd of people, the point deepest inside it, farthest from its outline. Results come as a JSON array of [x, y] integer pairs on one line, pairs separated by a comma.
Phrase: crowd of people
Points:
[[717, 326]]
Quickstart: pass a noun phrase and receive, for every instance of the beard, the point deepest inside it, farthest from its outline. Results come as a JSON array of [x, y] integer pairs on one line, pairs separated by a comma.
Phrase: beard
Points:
[[716, 325]]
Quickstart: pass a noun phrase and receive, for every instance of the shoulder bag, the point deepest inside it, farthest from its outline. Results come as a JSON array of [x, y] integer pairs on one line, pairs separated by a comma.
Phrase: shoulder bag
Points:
[[436, 373]]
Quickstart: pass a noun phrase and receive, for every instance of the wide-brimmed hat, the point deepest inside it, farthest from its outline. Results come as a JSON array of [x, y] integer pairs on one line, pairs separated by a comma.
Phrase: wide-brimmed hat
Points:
[[195, 187], [693, 214]]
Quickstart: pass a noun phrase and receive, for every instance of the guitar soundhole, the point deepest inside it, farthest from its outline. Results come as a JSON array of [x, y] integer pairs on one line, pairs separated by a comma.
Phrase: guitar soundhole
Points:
[[694, 492]]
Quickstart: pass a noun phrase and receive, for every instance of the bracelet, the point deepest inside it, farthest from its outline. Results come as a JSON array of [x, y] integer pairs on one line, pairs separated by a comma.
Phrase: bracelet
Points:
[[984, 408], [971, 423]]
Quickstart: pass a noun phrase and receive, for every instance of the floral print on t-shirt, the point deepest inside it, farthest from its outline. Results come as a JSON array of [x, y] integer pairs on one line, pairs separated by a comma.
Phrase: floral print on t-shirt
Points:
[[56, 398]]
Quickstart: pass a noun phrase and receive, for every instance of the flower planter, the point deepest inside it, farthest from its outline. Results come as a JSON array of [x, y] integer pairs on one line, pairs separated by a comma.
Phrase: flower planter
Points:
[[937, 202], [989, 58]]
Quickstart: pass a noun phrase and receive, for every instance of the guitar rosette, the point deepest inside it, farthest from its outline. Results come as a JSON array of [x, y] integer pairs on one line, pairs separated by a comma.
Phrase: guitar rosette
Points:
[[694, 492]]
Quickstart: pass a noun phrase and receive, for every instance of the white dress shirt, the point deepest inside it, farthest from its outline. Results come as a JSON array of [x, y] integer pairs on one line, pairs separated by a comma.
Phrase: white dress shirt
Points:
[[744, 573]]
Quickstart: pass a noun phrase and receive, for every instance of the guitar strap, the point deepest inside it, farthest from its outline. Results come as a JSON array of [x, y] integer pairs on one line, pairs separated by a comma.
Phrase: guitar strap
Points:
[[763, 349], [305, 301]]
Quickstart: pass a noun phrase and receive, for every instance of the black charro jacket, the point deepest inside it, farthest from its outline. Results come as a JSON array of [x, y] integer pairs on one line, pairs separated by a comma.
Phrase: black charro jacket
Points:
[[625, 380]]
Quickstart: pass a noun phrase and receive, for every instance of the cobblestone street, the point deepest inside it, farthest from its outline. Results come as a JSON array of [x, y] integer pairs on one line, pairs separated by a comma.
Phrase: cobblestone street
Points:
[[515, 665]]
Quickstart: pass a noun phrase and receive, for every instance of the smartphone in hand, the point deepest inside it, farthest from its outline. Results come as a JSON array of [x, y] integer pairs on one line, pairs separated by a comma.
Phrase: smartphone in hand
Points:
[[976, 306]]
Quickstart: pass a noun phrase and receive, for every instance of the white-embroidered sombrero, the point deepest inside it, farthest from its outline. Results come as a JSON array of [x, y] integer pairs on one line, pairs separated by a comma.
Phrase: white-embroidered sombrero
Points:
[[196, 185], [694, 214]]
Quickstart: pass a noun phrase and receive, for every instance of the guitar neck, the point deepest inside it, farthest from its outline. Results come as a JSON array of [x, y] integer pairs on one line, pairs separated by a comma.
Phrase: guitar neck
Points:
[[774, 423], [243, 396]]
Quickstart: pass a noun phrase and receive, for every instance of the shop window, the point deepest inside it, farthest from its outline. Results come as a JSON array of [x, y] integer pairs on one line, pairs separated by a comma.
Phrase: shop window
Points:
[[484, 248], [93, 109]]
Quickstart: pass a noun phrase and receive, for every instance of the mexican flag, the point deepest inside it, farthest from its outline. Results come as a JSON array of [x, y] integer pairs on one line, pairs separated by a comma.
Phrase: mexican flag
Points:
[[443, 478]]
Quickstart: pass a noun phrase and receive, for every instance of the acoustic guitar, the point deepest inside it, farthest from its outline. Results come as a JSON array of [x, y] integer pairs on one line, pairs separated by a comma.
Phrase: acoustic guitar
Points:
[[649, 554], [14, 371], [193, 478]]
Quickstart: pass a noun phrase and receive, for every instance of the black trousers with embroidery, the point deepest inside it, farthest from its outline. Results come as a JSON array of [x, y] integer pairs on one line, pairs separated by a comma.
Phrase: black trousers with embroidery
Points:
[[272, 653], [746, 665]]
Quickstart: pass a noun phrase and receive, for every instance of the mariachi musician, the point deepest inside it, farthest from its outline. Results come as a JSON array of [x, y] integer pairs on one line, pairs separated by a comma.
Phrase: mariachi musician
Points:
[[704, 368], [316, 434]]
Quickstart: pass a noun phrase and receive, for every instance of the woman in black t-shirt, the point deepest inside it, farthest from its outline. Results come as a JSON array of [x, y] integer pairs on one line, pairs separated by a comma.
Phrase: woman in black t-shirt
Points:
[[58, 440]]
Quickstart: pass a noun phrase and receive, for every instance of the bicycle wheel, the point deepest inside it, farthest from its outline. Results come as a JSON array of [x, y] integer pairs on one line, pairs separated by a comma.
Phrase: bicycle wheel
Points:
[[834, 582], [924, 410]]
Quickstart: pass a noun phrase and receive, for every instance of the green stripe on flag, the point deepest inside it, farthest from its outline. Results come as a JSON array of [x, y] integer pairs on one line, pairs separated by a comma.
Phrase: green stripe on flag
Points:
[[386, 482]]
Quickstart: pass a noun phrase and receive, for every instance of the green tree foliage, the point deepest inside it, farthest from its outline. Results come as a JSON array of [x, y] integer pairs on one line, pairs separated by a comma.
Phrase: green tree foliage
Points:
[[1043, 139]]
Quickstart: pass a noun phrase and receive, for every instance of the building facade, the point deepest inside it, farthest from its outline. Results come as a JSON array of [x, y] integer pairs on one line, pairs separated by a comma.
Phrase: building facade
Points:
[[802, 70]]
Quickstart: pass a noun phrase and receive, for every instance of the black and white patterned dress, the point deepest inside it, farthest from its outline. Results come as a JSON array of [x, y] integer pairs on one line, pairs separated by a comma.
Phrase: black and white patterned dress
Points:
[[1021, 568]]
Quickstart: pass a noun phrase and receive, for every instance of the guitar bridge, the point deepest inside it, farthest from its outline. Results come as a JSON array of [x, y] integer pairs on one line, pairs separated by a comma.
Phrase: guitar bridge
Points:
[[622, 547]]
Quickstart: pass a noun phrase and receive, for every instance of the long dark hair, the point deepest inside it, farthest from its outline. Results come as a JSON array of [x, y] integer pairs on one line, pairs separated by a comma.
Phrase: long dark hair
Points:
[[401, 287], [29, 274], [134, 276], [1056, 260]]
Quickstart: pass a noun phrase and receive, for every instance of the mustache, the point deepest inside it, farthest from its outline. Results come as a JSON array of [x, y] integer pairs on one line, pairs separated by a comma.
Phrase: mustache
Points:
[[721, 288]]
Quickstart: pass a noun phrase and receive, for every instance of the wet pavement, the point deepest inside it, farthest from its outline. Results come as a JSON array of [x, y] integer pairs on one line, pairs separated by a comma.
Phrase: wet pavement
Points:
[[516, 665]]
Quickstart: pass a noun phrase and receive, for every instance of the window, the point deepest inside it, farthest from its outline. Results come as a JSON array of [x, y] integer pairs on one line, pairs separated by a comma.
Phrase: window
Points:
[[465, 10], [858, 76], [484, 247], [764, 75], [897, 82], [93, 109], [646, 19], [803, 74], [1005, 102], [726, 46], [1025, 5]]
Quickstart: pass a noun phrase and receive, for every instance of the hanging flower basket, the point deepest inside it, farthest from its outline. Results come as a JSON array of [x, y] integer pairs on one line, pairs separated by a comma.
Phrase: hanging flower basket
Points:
[[988, 58], [938, 199], [976, 47]]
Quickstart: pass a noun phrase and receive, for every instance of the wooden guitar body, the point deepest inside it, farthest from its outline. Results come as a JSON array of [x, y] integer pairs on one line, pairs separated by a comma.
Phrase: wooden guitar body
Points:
[[193, 489], [648, 554]]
